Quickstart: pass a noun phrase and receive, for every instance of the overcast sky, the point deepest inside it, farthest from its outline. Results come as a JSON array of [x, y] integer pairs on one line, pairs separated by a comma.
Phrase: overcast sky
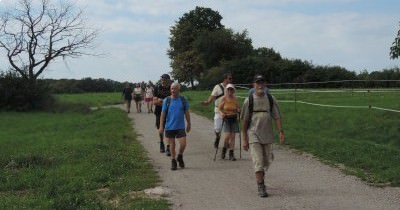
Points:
[[355, 34]]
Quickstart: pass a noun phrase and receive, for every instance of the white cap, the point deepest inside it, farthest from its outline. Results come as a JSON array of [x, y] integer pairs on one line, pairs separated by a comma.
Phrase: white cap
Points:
[[230, 86]]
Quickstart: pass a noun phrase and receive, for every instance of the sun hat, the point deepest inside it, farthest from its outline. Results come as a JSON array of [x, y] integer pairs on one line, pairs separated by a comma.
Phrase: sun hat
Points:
[[230, 86]]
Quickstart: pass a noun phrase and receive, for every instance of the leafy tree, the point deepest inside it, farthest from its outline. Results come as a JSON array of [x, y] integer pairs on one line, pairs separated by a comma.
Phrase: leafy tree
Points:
[[395, 48], [33, 36], [183, 34]]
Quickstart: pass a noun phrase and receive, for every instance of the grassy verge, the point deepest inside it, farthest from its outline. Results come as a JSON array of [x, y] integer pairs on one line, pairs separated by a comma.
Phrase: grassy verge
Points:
[[365, 141], [73, 160]]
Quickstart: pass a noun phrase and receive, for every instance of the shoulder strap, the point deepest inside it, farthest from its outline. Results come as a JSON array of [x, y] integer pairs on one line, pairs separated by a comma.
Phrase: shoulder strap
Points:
[[183, 100], [271, 102], [251, 109], [223, 91]]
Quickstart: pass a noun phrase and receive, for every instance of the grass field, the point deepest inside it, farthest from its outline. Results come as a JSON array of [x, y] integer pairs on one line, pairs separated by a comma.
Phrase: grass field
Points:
[[365, 141], [75, 159]]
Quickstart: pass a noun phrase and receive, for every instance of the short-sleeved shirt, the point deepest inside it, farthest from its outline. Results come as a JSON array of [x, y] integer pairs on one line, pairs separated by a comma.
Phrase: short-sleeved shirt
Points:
[[176, 114], [260, 129], [149, 92], [127, 93], [161, 92], [217, 91]]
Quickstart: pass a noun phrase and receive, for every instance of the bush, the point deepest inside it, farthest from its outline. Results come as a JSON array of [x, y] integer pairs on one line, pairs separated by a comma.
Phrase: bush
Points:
[[21, 94]]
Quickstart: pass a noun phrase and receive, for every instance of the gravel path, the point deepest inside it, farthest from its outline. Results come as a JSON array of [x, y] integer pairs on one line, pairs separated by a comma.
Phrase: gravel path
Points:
[[293, 181]]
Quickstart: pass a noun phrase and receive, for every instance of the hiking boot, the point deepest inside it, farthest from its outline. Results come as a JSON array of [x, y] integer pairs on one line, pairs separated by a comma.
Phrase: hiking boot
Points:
[[180, 161], [223, 153], [231, 156], [262, 191], [167, 151], [162, 147], [173, 165]]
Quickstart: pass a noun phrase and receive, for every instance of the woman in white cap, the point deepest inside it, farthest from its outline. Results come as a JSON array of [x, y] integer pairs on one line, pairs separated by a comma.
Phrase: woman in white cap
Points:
[[229, 108]]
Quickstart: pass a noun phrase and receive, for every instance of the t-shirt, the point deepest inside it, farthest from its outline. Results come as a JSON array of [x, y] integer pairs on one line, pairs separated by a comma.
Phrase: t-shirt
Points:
[[137, 91], [260, 129], [230, 107], [216, 92], [161, 92], [127, 93], [176, 114], [149, 92]]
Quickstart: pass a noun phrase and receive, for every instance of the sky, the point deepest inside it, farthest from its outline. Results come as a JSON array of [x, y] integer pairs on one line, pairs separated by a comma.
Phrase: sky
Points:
[[134, 34]]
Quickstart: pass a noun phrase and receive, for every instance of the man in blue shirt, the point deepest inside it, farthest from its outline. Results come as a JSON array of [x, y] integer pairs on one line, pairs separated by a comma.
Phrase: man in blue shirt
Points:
[[174, 111]]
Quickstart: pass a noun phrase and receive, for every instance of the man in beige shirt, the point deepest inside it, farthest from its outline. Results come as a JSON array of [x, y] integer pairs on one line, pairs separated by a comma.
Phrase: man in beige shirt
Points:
[[257, 130]]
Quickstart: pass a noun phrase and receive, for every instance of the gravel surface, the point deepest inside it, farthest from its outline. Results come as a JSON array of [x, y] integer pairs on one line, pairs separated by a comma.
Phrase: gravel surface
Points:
[[294, 181]]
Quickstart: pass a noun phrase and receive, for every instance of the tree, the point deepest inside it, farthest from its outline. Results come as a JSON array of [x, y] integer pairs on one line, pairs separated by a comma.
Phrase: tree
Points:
[[395, 49], [183, 34], [38, 32]]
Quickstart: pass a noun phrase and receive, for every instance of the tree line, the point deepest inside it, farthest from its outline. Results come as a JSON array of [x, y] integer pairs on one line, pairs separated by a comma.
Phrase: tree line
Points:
[[202, 50]]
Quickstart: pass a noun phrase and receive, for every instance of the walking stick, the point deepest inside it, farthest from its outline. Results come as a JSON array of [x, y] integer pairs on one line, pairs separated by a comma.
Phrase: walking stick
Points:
[[216, 150], [240, 139]]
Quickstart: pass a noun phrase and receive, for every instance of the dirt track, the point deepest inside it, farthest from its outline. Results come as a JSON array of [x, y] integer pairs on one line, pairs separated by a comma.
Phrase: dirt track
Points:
[[293, 181]]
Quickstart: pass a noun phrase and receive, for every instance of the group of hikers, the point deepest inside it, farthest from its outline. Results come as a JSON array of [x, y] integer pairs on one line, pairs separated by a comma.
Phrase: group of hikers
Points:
[[141, 93], [258, 111]]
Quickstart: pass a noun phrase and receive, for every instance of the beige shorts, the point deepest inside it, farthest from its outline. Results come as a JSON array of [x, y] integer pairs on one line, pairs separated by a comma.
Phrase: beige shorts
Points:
[[262, 156]]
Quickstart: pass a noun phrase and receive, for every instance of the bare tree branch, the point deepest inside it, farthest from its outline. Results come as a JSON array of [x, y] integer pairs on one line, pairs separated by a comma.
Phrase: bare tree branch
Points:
[[33, 36]]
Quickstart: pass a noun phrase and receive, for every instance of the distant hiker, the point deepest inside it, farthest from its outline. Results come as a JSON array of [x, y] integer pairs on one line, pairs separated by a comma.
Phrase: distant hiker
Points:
[[137, 96], [127, 94], [228, 109], [257, 115], [175, 109], [216, 95], [160, 92], [149, 97]]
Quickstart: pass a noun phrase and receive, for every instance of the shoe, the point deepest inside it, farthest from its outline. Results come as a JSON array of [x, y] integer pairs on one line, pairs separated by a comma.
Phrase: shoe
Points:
[[223, 153], [180, 161], [162, 147], [231, 156], [173, 165], [167, 151], [262, 191]]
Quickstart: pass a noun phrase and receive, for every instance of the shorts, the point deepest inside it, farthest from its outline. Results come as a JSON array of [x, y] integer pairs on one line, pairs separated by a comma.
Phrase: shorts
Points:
[[217, 122], [148, 99], [231, 125], [175, 134], [262, 156], [137, 98]]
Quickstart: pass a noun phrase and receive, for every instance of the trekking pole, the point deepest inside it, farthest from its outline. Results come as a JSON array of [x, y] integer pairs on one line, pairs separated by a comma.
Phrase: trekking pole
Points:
[[216, 150], [240, 139]]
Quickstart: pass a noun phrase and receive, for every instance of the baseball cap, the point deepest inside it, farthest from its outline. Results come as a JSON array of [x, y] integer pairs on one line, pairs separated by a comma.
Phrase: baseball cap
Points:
[[230, 86], [258, 77], [165, 76]]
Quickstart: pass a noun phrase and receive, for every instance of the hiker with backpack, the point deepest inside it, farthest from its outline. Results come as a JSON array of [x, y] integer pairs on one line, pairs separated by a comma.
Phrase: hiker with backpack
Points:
[[228, 109], [175, 109], [215, 96], [160, 92], [258, 111]]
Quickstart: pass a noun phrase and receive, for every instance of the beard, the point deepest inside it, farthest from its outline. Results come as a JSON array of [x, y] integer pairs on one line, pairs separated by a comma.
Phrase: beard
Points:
[[259, 91]]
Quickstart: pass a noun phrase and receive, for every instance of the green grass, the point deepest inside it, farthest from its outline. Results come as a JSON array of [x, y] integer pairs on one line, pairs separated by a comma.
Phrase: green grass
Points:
[[365, 141], [91, 99], [73, 160]]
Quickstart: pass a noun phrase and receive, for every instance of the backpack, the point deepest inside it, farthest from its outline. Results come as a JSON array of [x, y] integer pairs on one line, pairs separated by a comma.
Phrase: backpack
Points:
[[183, 100], [251, 107], [223, 92]]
